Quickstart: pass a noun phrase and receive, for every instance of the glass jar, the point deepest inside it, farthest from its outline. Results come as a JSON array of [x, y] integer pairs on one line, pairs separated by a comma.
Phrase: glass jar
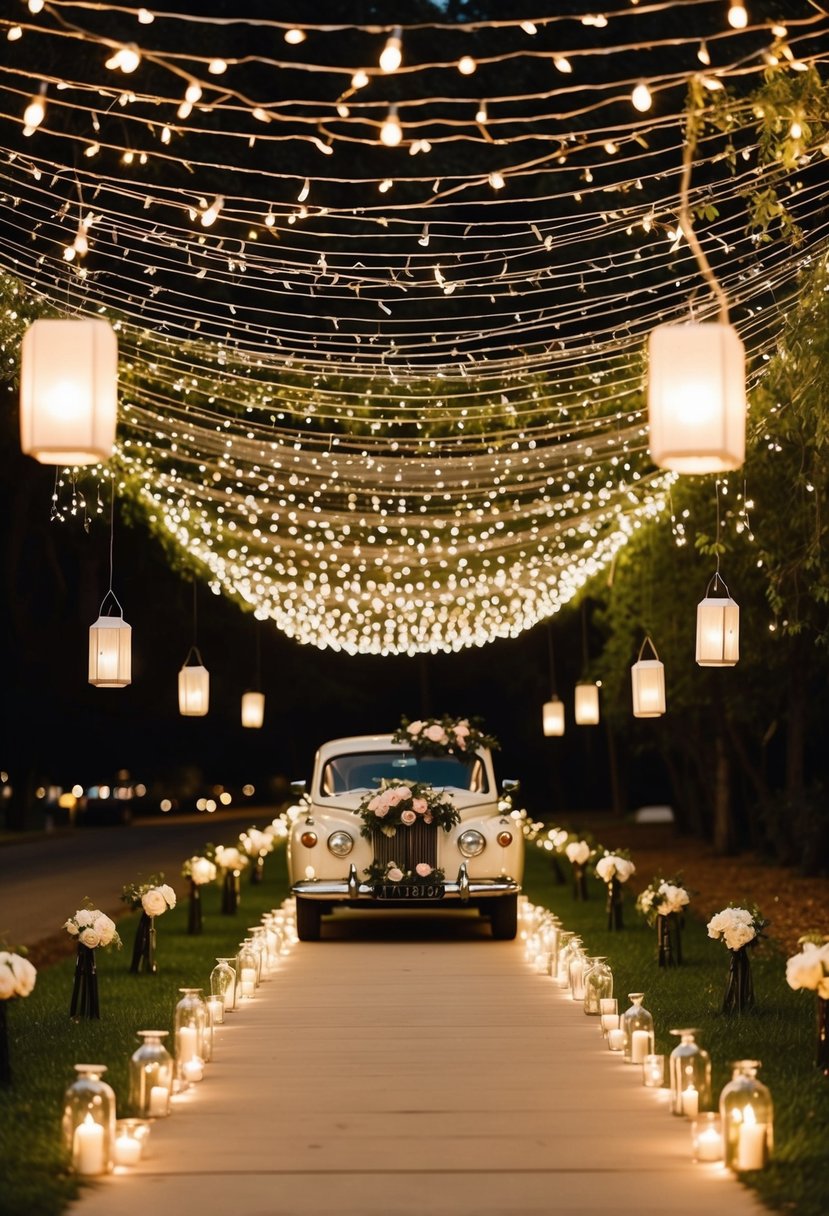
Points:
[[151, 1076], [637, 1024], [550, 927], [246, 970], [690, 1076], [531, 947], [579, 963], [190, 1032], [747, 1119], [130, 1138], [598, 985], [273, 938], [706, 1137], [89, 1121], [260, 948], [223, 982]]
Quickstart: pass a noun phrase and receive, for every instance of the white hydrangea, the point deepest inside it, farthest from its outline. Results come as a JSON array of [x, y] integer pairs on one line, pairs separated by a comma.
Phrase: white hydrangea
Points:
[[810, 969], [578, 852], [611, 866], [735, 926]]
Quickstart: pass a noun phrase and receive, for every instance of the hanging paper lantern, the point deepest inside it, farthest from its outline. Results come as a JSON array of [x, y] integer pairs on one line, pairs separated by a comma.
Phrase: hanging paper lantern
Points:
[[648, 681], [110, 652], [718, 628], [587, 705], [193, 688], [253, 709], [697, 398], [68, 391], [553, 717]]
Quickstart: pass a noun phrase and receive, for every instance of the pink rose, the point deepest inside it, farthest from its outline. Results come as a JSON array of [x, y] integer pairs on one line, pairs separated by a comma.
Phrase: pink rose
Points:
[[461, 730], [381, 811], [435, 733], [414, 728], [423, 869], [420, 806], [403, 792], [408, 817], [427, 818], [394, 875], [375, 802]]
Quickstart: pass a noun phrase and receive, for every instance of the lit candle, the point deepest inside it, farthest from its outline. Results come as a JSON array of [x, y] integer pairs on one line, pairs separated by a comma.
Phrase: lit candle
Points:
[[640, 1045], [616, 1039], [216, 1007], [653, 1071], [709, 1145], [248, 980], [187, 1040], [193, 1069], [609, 1021], [690, 1102], [751, 1144], [127, 1150], [88, 1147], [159, 1100]]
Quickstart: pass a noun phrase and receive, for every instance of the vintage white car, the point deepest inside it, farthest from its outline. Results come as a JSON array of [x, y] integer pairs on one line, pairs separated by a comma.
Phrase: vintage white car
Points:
[[481, 857]]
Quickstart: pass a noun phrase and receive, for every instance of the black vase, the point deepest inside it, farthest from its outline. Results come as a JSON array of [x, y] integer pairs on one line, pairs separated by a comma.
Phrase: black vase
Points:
[[85, 987], [257, 871], [739, 990], [579, 881], [664, 942], [614, 905], [143, 951], [230, 893], [822, 1035], [5, 1059], [676, 923], [558, 873], [194, 918]]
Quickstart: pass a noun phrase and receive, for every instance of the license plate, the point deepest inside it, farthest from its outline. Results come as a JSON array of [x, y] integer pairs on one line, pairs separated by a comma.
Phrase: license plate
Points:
[[410, 890]]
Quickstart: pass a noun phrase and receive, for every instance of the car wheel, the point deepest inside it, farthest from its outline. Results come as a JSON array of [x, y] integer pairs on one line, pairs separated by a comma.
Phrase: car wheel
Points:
[[308, 919], [503, 913]]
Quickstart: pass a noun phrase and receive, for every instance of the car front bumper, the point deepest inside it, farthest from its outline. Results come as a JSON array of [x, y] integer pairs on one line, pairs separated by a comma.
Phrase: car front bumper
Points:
[[462, 888]]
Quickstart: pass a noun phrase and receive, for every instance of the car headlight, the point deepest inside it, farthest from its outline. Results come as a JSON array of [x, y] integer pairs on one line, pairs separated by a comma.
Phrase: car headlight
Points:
[[471, 842], [340, 843]]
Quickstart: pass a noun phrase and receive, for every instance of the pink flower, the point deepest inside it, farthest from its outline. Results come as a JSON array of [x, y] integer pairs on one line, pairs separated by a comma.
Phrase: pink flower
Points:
[[420, 806], [427, 818], [408, 817], [394, 875], [375, 802], [461, 730], [414, 728], [435, 733], [423, 869], [381, 811]]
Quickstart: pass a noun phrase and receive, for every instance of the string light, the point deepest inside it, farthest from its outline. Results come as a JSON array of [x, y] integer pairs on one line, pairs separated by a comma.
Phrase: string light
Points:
[[641, 97], [737, 14], [467, 65], [391, 132], [35, 112], [295, 36], [125, 59], [391, 57]]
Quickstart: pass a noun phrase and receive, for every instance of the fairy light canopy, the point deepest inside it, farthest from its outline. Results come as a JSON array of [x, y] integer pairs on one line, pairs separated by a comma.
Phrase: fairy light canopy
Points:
[[381, 290]]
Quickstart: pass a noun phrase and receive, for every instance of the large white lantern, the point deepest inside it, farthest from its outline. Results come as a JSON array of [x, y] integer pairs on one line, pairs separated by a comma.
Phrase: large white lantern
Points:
[[110, 652], [718, 628], [648, 684], [697, 397], [587, 705], [193, 687], [68, 391], [553, 717], [253, 709]]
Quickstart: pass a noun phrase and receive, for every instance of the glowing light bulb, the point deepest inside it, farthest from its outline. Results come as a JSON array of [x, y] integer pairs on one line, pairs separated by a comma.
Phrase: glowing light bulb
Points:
[[529, 27], [192, 93], [127, 58], [391, 132], [563, 64], [359, 80], [385, 185], [217, 67], [641, 98], [294, 36], [210, 214], [703, 55], [737, 15], [270, 220], [145, 17], [496, 180], [796, 129], [391, 56], [35, 112], [36, 6], [482, 115], [467, 65], [15, 32]]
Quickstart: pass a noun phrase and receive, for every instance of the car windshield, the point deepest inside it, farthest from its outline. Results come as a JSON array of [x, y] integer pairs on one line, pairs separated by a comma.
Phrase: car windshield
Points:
[[364, 771]]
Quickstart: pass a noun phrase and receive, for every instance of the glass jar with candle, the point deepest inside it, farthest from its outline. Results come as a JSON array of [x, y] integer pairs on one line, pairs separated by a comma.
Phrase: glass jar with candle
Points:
[[89, 1121], [747, 1119], [260, 949], [151, 1076], [690, 1075], [190, 1024], [706, 1137], [598, 985], [223, 982], [579, 963], [246, 970], [130, 1135], [637, 1024]]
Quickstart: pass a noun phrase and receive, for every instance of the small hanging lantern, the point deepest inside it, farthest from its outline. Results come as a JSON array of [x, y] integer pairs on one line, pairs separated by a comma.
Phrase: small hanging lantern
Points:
[[193, 687], [68, 391], [110, 649], [553, 717], [718, 628], [648, 681], [697, 398], [587, 705], [253, 709]]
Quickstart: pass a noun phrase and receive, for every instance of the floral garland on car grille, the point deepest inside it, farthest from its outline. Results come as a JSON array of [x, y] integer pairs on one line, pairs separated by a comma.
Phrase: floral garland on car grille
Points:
[[399, 804], [459, 737], [390, 872]]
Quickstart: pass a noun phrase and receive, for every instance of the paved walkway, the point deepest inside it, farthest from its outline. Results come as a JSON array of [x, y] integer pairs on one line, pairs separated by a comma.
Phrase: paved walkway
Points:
[[435, 1076]]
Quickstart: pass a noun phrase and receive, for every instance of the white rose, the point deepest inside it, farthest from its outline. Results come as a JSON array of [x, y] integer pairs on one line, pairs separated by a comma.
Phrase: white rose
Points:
[[84, 917], [71, 927], [24, 974], [578, 852], [202, 870], [105, 928], [739, 935], [435, 733], [88, 937], [624, 869], [153, 902], [8, 984], [414, 728], [169, 895], [805, 970], [606, 867]]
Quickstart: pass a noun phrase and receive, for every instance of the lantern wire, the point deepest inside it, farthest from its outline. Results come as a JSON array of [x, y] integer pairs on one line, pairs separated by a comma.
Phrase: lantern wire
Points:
[[110, 592], [553, 692], [686, 224]]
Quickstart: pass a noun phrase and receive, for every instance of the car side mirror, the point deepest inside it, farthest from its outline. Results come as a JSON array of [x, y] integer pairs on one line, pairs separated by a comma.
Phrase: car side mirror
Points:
[[510, 786], [298, 788]]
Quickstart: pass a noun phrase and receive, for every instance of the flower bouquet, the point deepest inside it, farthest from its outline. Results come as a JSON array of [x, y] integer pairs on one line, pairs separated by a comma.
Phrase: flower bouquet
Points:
[[17, 978], [153, 897], [92, 929], [739, 929], [199, 870], [662, 903], [554, 844], [810, 969], [401, 804], [256, 845], [459, 737], [231, 863], [578, 854], [390, 873], [614, 869]]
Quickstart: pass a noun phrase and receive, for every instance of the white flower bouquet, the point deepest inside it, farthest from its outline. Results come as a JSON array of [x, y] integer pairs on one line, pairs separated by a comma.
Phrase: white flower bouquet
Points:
[[662, 903], [809, 969], [91, 929], [231, 862], [199, 870], [17, 979], [578, 853], [738, 928], [153, 897], [460, 737], [614, 869], [256, 845]]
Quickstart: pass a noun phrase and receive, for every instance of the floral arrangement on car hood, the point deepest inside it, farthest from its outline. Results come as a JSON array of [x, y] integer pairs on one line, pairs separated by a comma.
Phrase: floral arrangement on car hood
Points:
[[459, 737], [399, 804]]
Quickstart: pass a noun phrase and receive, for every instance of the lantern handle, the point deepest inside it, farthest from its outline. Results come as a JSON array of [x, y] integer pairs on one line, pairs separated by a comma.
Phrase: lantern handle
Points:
[[194, 650], [111, 594], [716, 577], [647, 642]]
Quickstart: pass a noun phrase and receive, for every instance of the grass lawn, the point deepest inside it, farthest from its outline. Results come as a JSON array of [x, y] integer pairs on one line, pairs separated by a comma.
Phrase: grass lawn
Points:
[[45, 1044], [780, 1031]]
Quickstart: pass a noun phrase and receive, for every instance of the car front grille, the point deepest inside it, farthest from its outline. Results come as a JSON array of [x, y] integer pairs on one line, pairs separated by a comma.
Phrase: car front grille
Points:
[[408, 847]]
